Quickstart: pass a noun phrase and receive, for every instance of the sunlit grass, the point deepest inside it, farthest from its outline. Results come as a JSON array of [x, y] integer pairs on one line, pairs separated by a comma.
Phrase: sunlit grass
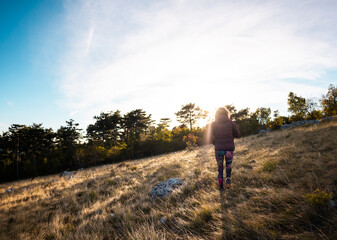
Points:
[[273, 196]]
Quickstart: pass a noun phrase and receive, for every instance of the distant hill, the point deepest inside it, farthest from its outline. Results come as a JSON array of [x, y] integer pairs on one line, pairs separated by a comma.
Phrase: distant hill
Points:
[[284, 187]]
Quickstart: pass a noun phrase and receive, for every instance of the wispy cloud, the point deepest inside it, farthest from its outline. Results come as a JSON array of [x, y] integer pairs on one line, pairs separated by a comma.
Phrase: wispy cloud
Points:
[[160, 55], [10, 103], [91, 33]]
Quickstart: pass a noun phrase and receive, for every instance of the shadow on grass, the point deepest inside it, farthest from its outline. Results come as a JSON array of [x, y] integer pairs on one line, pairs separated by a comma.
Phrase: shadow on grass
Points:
[[225, 197]]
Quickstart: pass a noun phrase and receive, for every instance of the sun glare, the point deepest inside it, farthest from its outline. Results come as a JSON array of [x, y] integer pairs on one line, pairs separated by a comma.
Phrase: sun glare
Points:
[[210, 117]]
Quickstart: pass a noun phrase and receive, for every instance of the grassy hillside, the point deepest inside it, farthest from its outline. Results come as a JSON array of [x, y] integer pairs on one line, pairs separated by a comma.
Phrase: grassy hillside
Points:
[[283, 184]]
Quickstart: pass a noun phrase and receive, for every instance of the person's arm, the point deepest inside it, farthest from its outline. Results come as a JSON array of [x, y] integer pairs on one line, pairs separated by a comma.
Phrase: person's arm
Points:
[[236, 132]]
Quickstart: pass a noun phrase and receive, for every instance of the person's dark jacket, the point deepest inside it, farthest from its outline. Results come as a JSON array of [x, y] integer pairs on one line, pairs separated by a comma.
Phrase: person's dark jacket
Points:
[[223, 132]]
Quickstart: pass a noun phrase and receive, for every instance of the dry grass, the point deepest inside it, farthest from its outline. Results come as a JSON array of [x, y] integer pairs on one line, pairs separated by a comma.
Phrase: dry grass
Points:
[[274, 195]]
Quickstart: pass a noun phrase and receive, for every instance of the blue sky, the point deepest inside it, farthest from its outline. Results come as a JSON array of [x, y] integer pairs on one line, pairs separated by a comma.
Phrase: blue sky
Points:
[[74, 59], [28, 92]]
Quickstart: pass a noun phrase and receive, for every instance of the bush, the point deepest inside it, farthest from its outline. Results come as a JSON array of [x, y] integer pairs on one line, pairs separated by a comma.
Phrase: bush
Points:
[[319, 198], [93, 196], [314, 115], [203, 216], [191, 141], [276, 123], [197, 171], [269, 166], [115, 151]]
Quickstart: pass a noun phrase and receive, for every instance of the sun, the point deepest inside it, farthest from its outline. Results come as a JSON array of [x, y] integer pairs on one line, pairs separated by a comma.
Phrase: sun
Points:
[[210, 116]]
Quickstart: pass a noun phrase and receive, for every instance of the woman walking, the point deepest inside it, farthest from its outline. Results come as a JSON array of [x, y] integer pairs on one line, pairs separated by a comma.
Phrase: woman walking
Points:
[[223, 132]]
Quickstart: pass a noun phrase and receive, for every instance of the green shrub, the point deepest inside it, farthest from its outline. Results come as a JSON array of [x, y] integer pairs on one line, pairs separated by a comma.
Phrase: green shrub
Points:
[[133, 168], [276, 123], [197, 171], [69, 227], [49, 236], [112, 182], [93, 196], [269, 166], [319, 198], [203, 216]]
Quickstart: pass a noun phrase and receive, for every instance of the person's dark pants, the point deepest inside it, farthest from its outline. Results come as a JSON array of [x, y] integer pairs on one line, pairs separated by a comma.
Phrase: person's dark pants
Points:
[[220, 155]]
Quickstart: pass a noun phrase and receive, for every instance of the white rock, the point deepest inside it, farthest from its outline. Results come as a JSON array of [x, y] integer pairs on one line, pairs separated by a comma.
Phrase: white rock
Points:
[[162, 220], [68, 174], [164, 188]]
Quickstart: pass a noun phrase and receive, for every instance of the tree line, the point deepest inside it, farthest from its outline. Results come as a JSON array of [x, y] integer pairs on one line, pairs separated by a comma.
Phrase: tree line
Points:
[[30, 151]]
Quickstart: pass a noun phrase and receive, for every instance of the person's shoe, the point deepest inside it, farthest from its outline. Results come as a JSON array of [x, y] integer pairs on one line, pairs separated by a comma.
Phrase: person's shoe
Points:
[[228, 183], [221, 185]]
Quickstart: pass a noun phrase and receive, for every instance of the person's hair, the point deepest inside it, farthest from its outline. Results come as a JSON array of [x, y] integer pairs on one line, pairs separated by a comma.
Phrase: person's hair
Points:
[[222, 111]]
